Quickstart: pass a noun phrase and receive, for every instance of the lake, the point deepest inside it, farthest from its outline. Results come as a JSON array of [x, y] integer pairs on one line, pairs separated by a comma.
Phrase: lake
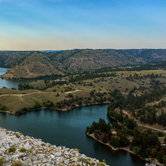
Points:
[[67, 129], [10, 83]]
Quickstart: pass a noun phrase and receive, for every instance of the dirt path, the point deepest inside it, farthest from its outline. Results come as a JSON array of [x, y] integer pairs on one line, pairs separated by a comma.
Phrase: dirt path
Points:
[[143, 125], [20, 95], [73, 91], [152, 128]]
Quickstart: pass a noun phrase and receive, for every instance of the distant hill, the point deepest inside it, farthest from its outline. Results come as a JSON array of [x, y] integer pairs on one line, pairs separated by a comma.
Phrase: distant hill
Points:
[[10, 58], [88, 59], [33, 64], [51, 50], [149, 55]]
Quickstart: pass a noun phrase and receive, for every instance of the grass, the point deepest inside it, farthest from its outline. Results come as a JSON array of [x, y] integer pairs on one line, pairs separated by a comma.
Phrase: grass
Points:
[[16, 100], [23, 150], [161, 139], [2, 160], [16, 163], [12, 149]]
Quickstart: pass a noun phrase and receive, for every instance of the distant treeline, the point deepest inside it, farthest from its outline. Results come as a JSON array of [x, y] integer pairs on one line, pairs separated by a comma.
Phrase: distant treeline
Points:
[[149, 66]]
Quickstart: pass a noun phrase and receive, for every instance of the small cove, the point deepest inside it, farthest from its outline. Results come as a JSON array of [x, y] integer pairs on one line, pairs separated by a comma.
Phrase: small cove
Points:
[[10, 83]]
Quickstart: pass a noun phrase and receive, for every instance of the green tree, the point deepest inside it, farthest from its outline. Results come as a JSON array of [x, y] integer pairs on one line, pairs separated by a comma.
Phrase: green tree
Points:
[[160, 157], [79, 102], [136, 150], [164, 159]]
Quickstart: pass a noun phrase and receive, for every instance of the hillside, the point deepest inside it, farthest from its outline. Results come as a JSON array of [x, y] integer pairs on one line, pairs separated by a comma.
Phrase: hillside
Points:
[[33, 64], [88, 59], [9, 58], [149, 55]]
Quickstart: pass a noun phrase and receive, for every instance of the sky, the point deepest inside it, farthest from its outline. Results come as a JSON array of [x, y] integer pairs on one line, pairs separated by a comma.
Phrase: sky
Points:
[[70, 24]]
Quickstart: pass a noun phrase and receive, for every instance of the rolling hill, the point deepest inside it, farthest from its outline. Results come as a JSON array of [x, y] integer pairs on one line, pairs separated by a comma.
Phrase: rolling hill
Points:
[[33, 64]]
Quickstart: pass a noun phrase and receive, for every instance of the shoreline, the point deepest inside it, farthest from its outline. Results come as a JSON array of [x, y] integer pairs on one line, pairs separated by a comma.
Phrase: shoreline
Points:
[[149, 160], [51, 108]]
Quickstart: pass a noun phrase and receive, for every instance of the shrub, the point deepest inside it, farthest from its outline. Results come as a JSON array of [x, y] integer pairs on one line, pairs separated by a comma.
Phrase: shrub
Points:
[[16, 163], [57, 95], [12, 149], [23, 150], [102, 164], [73, 105], [2, 160], [4, 108]]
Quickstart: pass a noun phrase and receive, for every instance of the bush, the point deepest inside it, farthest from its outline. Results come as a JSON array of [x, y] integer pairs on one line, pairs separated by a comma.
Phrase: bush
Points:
[[23, 150], [16, 163], [57, 95], [79, 102], [4, 108], [12, 149], [2, 160]]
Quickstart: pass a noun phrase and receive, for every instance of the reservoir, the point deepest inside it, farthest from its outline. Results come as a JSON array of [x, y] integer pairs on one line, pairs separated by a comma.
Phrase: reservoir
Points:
[[68, 129], [10, 83]]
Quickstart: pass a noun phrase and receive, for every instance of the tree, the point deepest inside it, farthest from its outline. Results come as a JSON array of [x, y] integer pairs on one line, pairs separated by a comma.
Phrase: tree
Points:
[[164, 159], [130, 123], [115, 141], [153, 152], [4, 108], [57, 95], [79, 102], [136, 150], [160, 157]]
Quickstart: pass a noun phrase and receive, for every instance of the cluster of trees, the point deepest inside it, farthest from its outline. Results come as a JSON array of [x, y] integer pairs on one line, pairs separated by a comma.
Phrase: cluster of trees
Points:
[[140, 77], [24, 110], [135, 102], [152, 66], [87, 76], [103, 132], [96, 98], [25, 86], [47, 85], [146, 144], [3, 108]]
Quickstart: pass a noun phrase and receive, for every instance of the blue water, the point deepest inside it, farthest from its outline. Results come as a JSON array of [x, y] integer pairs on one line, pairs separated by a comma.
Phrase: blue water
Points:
[[66, 129], [10, 83]]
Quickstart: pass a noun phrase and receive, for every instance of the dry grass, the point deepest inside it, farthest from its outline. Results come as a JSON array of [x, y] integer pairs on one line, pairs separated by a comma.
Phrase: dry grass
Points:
[[15, 100]]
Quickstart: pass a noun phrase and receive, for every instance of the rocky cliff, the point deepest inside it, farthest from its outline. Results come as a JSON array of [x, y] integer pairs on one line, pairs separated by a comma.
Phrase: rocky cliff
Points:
[[16, 149]]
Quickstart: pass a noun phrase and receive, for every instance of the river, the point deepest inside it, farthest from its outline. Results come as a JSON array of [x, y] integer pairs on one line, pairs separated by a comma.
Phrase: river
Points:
[[67, 129]]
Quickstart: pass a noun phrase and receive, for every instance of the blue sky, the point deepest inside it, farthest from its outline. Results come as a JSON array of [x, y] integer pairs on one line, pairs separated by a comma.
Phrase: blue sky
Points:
[[69, 24]]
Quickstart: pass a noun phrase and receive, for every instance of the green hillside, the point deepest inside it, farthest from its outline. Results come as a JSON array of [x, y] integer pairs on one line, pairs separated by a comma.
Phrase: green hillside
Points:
[[34, 64], [10, 58]]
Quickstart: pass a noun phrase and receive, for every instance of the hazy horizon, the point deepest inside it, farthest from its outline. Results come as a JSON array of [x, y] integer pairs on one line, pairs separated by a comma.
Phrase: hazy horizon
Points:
[[79, 24]]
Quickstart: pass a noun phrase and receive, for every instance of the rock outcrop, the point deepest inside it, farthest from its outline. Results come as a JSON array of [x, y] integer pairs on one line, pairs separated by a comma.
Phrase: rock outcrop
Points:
[[16, 149]]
